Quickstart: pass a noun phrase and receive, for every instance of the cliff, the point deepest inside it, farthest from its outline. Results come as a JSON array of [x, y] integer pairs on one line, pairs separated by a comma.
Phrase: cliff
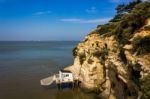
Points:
[[117, 66]]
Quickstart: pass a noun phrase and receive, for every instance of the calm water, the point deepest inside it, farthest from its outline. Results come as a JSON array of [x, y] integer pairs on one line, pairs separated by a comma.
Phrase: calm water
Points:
[[23, 64]]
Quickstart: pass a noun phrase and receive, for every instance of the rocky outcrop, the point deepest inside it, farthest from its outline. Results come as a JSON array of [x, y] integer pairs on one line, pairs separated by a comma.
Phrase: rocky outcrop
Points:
[[114, 70]]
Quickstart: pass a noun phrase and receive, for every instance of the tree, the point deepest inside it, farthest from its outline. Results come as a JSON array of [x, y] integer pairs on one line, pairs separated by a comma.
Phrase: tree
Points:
[[123, 9]]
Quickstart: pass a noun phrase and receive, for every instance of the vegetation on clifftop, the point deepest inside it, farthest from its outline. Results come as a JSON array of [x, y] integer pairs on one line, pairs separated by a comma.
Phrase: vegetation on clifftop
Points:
[[128, 20]]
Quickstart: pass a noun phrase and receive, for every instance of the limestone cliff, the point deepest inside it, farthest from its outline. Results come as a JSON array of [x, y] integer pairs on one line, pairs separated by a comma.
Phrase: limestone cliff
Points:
[[112, 68]]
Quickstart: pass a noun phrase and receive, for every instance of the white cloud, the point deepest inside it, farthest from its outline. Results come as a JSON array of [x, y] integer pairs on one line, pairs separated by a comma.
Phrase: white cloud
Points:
[[92, 10], [42, 13], [116, 1], [145, 0], [76, 20], [71, 20], [121, 1]]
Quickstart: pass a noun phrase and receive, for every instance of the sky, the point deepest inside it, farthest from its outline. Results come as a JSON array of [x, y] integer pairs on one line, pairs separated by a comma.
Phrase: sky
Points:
[[47, 20]]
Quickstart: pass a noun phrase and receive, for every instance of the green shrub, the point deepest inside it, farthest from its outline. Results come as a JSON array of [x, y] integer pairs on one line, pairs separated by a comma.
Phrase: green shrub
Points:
[[124, 25], [106, 28], [128, 32], [74, 51], [82, 58], [141, 45]]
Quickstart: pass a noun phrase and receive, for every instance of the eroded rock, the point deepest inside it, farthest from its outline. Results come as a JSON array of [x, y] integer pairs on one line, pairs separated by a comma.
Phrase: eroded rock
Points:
[[102, 63]]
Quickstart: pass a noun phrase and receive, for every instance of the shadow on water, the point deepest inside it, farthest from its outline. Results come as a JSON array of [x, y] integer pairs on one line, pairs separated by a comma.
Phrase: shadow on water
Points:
[[67, 92], [75, 94]]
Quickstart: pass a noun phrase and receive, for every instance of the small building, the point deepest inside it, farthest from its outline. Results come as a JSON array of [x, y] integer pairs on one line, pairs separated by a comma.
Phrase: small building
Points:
[[63, 79], [65, 76]]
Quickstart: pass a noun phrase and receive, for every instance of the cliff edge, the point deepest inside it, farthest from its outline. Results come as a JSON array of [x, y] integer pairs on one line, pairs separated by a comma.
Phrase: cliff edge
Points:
[[113, 60]]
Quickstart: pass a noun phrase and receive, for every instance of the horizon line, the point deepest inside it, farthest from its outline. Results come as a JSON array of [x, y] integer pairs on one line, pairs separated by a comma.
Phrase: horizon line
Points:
[[37, 40]]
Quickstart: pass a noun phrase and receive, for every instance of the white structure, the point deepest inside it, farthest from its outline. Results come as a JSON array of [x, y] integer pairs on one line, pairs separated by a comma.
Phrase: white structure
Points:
[[65, 76], [62, 77]]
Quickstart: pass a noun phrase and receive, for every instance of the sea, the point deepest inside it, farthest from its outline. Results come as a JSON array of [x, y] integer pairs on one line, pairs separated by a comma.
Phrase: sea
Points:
[[24, 63]]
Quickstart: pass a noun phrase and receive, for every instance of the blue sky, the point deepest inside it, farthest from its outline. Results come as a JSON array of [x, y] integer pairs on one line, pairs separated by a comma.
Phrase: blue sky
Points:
[[28, 20]]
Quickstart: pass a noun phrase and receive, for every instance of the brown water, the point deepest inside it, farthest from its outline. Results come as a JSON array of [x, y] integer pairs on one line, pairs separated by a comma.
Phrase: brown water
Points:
[[23, 64]]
